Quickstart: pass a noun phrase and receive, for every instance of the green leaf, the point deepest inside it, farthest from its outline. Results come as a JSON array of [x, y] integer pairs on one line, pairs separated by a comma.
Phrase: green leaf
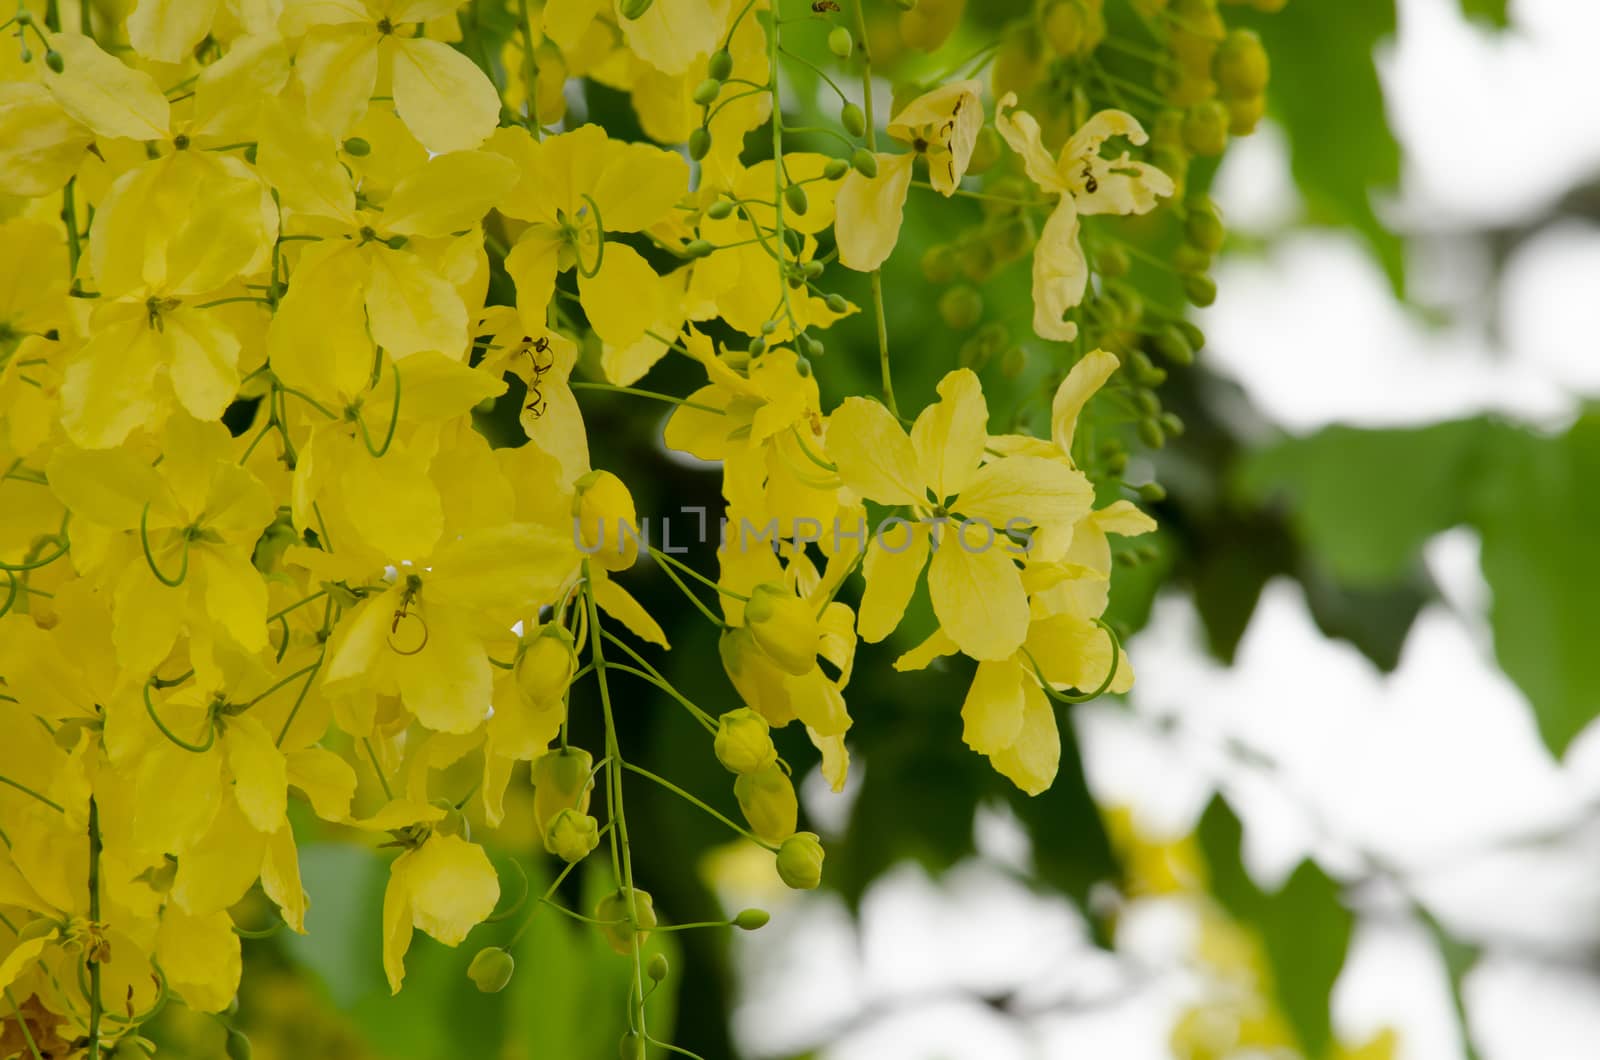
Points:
[[1303, 926], [1341, 146], [1365, 501], [1493, 12], [1538, 515]]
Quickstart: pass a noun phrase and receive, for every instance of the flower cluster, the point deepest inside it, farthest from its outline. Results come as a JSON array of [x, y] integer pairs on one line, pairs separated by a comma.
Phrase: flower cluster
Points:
[[255, 550]]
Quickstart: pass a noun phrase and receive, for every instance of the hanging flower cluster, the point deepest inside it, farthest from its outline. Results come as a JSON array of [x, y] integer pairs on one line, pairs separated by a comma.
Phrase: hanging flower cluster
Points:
[[255, 550]]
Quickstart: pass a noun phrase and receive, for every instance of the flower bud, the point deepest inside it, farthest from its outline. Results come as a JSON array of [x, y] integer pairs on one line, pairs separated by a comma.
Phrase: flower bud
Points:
[[632, 9], [960, 307], [813, 348], [1203, 228], [1171, 343], [752, 919], [853, 120], [706, 92], [720, 65], [800, 861], [840, 43], [396, 242], [697, 248], [794, 196], [1241, 66], [54, 61], [837, 303], [1245, 113], [700, 143], [657, 968], [720, 210], [491, 969], [939, 263], [1205, 128], [784, 626], [768, 801], [545, 667], [572, 836], [743, 742], [864, 162], [1066, 26], [1191, 332], [238, 1046], [631, 1046], [1111, 259], [835, 169], [607, 525], [560, 782], [356, 147], [1199, 289], [615, 907]]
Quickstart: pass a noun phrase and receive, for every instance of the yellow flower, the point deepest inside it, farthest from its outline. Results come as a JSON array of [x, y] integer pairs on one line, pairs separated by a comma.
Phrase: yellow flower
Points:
[[1086, 183], [575, 187], [967, 504], [348, 45], [445, 887], [942, 128]]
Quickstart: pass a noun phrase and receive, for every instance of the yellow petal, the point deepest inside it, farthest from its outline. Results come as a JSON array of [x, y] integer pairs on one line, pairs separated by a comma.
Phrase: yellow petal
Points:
[[1060, 274], [40, 143], [624, 299], [299, 158], [978, 596], [203, 359], [936, 646], [673, 33], [991, 716], [868, 212], [450, 193], [1032, 760], [1081, 384], [453, 887], [260, 778], [168, 30], [874, 455], [1022, 132], [326, 780], [615, 601], [337, 65], [448, 683], [1016, 492], [391, 504], [199, 956], [410, 307], [895, 558], [280, 878], [105, 486], [216, 872], [108, 389], [639, 186], [441, 95], [108, 96], [532, 266], [949, 435], [397, 918]]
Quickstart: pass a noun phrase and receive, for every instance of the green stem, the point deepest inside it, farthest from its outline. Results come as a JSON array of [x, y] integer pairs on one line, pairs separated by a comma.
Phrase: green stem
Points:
[[56, 806], [670, 786], [637, 392], [94, 919]]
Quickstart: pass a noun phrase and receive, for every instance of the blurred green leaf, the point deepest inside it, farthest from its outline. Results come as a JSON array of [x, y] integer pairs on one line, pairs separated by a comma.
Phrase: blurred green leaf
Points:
[[1493, 12], [1303, 926], [1365, 501], [1325, 92], [1538, 515]]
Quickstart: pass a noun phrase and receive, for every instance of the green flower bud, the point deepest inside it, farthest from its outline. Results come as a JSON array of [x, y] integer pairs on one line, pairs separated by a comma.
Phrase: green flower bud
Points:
[[720, 65], [1189, 259], [939, 263], [768, 802], [757, 347], [1151, 434], [853, 120], [835, 169], [1145, 372], [1171, 424], [752, 919], [631, 1046], [699, 143], [720, 210], [864, 162], [657, 968], [837, 303], [1245, 113], [545, 666], [1241, 66], [811, 269], [812, 346], [606, 520], [1191, 332], [491, 969], [572, 836], [1200, 290], [1171, 343], [622, 935], [54, 61], [793, 241], [560, 782], [802, 367], [706, 92], [800, 861], [697, 248], [1066, 26], [1112, 260], [356, 147], [396, 242], [632, 9], [238, 1046], [961, 307], [1152, 493], [840, 42], [794, 196], [784, 626], [1205, 128], [1203, 228], [1014, 363]]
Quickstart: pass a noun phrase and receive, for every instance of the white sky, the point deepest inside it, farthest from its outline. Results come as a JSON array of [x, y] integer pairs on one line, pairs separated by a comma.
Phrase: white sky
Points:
[[1428, 765]]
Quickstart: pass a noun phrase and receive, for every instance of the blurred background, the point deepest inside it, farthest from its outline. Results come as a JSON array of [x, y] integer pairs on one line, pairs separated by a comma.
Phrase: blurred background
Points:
[[1346, 811]]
